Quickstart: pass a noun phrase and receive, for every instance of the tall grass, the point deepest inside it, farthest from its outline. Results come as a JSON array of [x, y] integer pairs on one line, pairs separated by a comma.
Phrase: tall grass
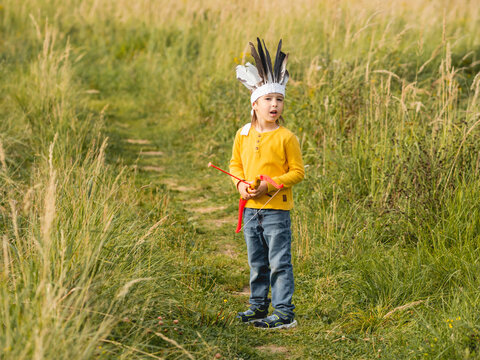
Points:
[[383, 96], [74, 248]]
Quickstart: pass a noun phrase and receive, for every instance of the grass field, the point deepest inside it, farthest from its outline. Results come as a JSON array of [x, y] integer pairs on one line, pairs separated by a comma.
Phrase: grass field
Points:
[[118, 242]]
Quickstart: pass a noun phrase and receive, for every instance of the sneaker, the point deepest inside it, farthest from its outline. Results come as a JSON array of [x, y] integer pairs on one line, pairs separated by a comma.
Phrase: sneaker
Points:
[[276, 322], [252, 315]]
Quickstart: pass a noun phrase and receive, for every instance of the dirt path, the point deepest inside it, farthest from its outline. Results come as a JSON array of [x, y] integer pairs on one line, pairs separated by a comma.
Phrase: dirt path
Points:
[[205, 196]]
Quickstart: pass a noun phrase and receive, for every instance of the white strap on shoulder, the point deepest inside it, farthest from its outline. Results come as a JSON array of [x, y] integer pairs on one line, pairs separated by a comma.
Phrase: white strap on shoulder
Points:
[[246, 129]]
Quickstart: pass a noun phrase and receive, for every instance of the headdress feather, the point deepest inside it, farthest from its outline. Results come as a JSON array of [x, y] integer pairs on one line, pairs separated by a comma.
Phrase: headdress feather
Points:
[[264, 62], [278, 62], [283, 78], [258, 62], [269, 64], [249, 76]]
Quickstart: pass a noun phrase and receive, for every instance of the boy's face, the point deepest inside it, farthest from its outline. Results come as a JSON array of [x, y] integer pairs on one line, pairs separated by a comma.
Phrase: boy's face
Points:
[[269, 107]]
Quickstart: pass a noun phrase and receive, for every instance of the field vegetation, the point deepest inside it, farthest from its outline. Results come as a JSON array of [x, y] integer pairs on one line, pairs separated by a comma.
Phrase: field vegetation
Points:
[[117, 241]]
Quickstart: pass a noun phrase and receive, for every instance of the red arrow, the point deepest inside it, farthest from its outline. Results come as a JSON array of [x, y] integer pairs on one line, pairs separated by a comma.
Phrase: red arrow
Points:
[[226, 172]]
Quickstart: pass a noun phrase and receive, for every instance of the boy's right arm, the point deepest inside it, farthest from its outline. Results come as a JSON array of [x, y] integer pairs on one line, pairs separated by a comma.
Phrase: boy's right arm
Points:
[[236, 165]]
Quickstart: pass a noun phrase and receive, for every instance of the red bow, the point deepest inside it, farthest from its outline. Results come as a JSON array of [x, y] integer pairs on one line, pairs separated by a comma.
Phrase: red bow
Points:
[[252, 185]]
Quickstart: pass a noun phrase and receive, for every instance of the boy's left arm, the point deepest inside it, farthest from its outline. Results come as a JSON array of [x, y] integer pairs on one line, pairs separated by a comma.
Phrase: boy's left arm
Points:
[[296, 170]]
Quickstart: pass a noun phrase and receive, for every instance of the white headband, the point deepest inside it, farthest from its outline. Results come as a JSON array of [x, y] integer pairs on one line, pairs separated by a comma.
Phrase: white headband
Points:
[[269, 88]]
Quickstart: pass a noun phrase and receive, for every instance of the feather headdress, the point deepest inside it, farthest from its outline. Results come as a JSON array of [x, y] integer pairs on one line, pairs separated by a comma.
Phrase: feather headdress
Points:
[[263, 78]]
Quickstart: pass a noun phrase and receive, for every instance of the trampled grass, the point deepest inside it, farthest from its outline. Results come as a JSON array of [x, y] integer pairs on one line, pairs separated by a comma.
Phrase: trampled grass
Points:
[[117, 241]]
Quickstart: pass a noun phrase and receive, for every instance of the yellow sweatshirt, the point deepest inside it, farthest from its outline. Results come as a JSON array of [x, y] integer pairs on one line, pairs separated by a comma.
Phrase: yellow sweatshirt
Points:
[[276, 154]]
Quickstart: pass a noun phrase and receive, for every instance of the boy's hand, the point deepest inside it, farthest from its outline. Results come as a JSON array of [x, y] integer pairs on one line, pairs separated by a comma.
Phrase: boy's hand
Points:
[[248, 193], [242, 189], [260, 191]]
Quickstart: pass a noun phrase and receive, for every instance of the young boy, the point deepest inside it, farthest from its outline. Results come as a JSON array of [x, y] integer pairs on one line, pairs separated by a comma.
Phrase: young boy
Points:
[[265, 147]]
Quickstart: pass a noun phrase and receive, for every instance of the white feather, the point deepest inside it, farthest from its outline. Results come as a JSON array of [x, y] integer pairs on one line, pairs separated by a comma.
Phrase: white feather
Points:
[[269, 77], [253, 71], [285, 79], [249, 76]]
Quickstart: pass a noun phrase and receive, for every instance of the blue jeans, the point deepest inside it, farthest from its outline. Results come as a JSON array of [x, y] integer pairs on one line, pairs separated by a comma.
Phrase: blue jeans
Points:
[[268, 237]]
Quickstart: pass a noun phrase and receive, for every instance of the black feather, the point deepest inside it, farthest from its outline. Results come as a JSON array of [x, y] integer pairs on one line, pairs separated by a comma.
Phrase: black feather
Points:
[[258, 63], [276, 68], [269, 61], [262, 58]]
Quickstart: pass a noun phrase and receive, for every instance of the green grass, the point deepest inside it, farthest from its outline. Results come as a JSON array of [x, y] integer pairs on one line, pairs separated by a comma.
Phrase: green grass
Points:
[[102, 240]]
